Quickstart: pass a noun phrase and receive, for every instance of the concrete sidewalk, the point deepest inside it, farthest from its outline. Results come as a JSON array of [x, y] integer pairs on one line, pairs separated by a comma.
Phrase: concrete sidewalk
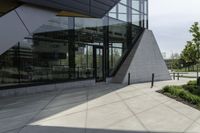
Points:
[[103, 108]]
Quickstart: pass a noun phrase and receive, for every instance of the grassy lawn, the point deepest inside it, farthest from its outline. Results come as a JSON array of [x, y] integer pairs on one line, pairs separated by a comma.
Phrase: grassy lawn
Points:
[[188, 94], [188, 69], [188, 76]]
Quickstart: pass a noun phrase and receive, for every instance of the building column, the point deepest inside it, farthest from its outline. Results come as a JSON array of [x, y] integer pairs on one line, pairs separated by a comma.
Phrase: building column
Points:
[[106, 46], [71, 47]]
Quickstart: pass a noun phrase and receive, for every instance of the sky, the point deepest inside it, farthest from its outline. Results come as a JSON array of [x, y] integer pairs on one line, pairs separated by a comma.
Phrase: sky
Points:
[[171, 20]]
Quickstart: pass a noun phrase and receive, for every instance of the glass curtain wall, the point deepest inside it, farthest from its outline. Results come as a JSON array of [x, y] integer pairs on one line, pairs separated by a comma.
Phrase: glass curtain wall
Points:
[[72, 48], [135, 11], [89, 34], [117, 42]]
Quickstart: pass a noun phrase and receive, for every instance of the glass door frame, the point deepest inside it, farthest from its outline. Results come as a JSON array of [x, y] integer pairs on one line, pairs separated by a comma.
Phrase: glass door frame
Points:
[[95, 48]]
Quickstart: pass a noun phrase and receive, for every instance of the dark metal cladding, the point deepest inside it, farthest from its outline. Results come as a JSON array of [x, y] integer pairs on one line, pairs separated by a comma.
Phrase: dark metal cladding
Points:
[[93, 8]]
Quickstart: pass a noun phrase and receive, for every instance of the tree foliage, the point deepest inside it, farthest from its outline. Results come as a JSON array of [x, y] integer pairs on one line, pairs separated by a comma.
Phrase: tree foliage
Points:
[[195, 30], [190, 54], [175, 64]]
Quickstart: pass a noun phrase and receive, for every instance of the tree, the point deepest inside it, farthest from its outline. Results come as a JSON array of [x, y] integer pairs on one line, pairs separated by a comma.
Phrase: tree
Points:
[[175, 60], [195, 30], [190, 54]]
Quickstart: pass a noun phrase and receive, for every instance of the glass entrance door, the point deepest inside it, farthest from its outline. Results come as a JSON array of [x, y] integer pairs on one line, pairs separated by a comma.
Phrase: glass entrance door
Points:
[[98, 63]]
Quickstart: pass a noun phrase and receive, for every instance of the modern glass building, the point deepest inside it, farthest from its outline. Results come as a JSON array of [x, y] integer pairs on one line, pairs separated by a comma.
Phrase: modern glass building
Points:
[[83, 41]]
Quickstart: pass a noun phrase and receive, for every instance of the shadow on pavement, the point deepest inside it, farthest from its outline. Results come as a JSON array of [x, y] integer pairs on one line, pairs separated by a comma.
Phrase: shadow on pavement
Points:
[[45, 129]]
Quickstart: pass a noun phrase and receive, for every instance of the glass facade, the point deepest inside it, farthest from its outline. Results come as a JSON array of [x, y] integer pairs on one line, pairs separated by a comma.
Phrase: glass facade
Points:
[[135, 11], [74, 48]]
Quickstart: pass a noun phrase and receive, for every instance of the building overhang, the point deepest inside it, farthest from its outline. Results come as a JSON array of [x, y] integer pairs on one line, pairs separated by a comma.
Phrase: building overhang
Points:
[[92, 8]]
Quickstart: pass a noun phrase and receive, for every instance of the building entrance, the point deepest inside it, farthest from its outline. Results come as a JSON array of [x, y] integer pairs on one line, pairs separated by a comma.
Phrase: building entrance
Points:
[[98, 63]]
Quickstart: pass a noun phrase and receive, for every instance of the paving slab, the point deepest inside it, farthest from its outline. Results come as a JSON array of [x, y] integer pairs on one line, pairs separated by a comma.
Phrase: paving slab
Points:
[[141, 103], [16, 122], [164, 119], [14, 131], [51, 113], [128, 124], [194, 128], [104, 108], [104, 116], [52, 125], [130, 93], [184, 109], [103, 100]]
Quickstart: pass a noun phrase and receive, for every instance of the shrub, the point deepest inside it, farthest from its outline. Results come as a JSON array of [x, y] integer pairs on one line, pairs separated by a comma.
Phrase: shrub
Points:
[[169, 88], [192, 82], [192, 87], [179, 91], [166, 89], [183, 95], [189, 88]]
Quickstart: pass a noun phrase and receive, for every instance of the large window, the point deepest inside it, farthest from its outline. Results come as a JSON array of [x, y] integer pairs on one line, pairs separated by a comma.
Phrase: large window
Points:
[[136, 17], [140, 13], [35, 61], [120, 11], [84, 61], [89, 33], [117, 42], [115, 54], [68, 48], [135, 11]]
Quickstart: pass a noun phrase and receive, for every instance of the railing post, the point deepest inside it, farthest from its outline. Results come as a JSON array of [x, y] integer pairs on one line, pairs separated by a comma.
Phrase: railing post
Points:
[[78, 74], [129, 78], [174, 76], [178, 76], [152, 81], [198, 81]]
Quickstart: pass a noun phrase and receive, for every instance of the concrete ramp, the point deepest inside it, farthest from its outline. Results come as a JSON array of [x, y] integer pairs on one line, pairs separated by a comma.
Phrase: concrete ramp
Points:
[[144, 59], [20, 23]]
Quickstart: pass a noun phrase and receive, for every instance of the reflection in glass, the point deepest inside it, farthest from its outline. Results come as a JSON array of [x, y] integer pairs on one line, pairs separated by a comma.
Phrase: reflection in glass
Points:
[[99, 75], [124, 2], [117, 42], [73, 48], [135, 11], [136, 4], [84, 61]]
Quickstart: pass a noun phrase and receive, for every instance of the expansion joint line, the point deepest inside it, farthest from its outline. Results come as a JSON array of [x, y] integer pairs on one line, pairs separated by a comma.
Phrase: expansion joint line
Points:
[[22, 22], [37, 113], [86, 116], [133, 113]]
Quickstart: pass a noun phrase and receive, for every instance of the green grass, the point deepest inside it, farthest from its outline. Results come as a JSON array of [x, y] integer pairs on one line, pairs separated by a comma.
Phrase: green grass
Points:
[[189, 93], [192, 82], [188, 77], [182, 70], [192, 87], [191, 69]]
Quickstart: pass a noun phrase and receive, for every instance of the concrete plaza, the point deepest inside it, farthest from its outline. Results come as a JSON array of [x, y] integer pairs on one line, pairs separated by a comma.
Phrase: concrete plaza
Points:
[[104, 108]]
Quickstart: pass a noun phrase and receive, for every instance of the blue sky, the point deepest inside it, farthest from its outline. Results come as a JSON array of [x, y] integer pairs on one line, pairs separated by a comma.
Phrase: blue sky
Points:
[[170, 21]]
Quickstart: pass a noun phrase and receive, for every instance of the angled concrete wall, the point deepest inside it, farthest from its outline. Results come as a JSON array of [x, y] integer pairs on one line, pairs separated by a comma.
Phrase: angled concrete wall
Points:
[[144, 59], [20, 23]]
